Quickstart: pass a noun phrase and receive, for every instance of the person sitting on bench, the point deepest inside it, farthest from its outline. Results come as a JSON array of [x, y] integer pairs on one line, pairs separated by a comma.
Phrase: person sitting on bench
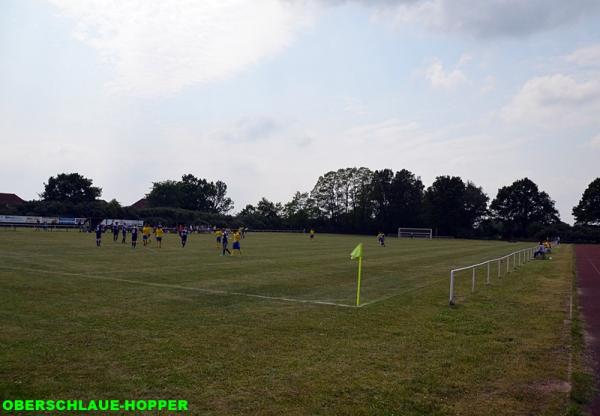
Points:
[[540, 252]]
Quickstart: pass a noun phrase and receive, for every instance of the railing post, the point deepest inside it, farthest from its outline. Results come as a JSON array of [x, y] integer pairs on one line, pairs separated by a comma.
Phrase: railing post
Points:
[[451, 302], [499, 268], [514, 261], [473, 281], [507, 264], [488, 273]]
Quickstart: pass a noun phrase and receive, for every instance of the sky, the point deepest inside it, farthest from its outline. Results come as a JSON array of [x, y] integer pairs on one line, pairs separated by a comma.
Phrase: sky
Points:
[[267, 95]]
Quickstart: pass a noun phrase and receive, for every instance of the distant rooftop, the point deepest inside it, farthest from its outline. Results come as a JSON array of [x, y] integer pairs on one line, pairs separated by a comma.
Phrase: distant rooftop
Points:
[[10, 199], [142, 203]]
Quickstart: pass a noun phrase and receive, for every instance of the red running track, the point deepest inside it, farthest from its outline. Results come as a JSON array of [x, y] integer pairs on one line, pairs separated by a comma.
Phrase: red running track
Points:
[[588, 280]]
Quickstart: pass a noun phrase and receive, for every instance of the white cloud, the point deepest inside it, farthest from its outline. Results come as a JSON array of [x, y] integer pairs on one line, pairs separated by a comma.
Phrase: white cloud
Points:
[[354, 106], [594, 142], [440, 78], [489, 84], [555, 99], [587, 57], [159, 48]]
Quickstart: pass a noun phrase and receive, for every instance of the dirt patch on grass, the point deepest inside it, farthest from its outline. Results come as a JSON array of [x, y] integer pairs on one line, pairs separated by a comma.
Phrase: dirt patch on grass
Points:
[[552, 386]]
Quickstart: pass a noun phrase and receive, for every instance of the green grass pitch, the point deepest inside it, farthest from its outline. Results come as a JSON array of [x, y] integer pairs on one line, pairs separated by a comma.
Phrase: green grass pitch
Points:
[[274, 332]]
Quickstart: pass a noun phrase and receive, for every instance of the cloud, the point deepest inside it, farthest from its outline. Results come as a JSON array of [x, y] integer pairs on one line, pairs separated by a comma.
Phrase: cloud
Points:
[[485, 19], [489, 84], [555, 99], [441, 78], [594, 142], [250, 129], [586, 57], [159, 48], [354, 106]]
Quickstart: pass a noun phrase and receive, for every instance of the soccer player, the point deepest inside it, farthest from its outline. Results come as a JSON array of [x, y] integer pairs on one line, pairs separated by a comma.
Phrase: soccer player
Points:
[[225, 243], [312, 234], [381, 239], [159, 235], [124, 232], [219, 235], [237, 236], [145, 234], [134, 234], [115, 230], [184, 236], [98, 235]]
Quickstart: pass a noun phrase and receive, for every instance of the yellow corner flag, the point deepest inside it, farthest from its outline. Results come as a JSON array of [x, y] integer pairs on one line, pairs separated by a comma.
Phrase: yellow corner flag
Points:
[[357, 253]]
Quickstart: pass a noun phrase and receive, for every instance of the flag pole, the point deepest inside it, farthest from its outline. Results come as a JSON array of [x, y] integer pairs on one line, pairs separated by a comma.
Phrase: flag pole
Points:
[[358, 284], [357, 253]]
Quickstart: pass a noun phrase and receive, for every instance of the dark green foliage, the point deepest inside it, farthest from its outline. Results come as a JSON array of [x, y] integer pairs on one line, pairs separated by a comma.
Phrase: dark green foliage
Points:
[[587, 212], [349, 200], [453, 207], [191, 193], [70, 187], [521, 204]]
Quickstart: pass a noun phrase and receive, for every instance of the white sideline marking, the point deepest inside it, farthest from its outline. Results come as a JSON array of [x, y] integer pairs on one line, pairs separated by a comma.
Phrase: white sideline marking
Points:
[[593, 265], [196, 289], [414, 289]]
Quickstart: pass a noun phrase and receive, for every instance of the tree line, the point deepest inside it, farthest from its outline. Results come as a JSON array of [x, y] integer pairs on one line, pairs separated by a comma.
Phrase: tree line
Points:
[[350, 200]]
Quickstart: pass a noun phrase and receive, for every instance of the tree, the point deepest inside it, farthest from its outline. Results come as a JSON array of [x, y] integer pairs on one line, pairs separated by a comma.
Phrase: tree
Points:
[[587, 212], [164, 194], [300, 210], [342, 197], [381, 196], [70, 187], [520, 205], [453, 207], [325, 194], [268, 209], [113, 209], [248, 211], [220, 203], [406, 200], [444, 204], [191, 193], [475, 205]]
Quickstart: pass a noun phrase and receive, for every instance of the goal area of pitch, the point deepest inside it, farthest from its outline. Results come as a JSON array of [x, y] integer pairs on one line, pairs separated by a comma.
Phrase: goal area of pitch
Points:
[[415, 232]]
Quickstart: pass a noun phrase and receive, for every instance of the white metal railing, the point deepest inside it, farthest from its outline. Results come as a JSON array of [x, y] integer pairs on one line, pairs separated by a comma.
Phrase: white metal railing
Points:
[[518, 258]]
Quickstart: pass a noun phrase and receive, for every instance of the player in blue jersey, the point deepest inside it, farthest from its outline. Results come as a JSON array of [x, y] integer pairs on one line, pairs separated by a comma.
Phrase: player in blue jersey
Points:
[[225, 242], [98, 235], [115, 230], [134, 236], [183, 233]]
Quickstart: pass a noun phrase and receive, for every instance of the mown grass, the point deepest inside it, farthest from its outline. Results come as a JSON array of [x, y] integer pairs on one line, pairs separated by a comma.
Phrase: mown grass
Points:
[[66, 334]]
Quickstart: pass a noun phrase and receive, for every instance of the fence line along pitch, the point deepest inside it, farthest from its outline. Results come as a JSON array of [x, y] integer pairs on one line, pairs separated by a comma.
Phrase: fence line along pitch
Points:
[[519, 257]]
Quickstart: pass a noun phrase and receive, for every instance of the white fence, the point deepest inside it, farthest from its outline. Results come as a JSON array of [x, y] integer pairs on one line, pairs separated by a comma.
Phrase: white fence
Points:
[[518, 258]]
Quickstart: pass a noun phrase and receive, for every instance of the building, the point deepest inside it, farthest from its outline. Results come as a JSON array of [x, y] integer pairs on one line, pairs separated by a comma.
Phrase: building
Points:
[[142, 203], [10, 200]]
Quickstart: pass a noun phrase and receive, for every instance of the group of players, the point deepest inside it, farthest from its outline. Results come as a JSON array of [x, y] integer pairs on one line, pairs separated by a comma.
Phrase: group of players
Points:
[[222, 235]]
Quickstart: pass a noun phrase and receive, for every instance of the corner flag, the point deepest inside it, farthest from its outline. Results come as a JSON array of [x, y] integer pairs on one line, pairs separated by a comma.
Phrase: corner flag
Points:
[[357, 253]]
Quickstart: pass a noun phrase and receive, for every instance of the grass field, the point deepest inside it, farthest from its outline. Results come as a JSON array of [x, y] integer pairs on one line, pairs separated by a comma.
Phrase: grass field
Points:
[[81, 322]]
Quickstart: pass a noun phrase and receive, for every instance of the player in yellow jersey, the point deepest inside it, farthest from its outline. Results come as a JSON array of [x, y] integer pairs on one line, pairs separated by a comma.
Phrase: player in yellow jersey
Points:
[[219, 235], [237, 236], [145, 234], [159, 235], [312, 234]]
